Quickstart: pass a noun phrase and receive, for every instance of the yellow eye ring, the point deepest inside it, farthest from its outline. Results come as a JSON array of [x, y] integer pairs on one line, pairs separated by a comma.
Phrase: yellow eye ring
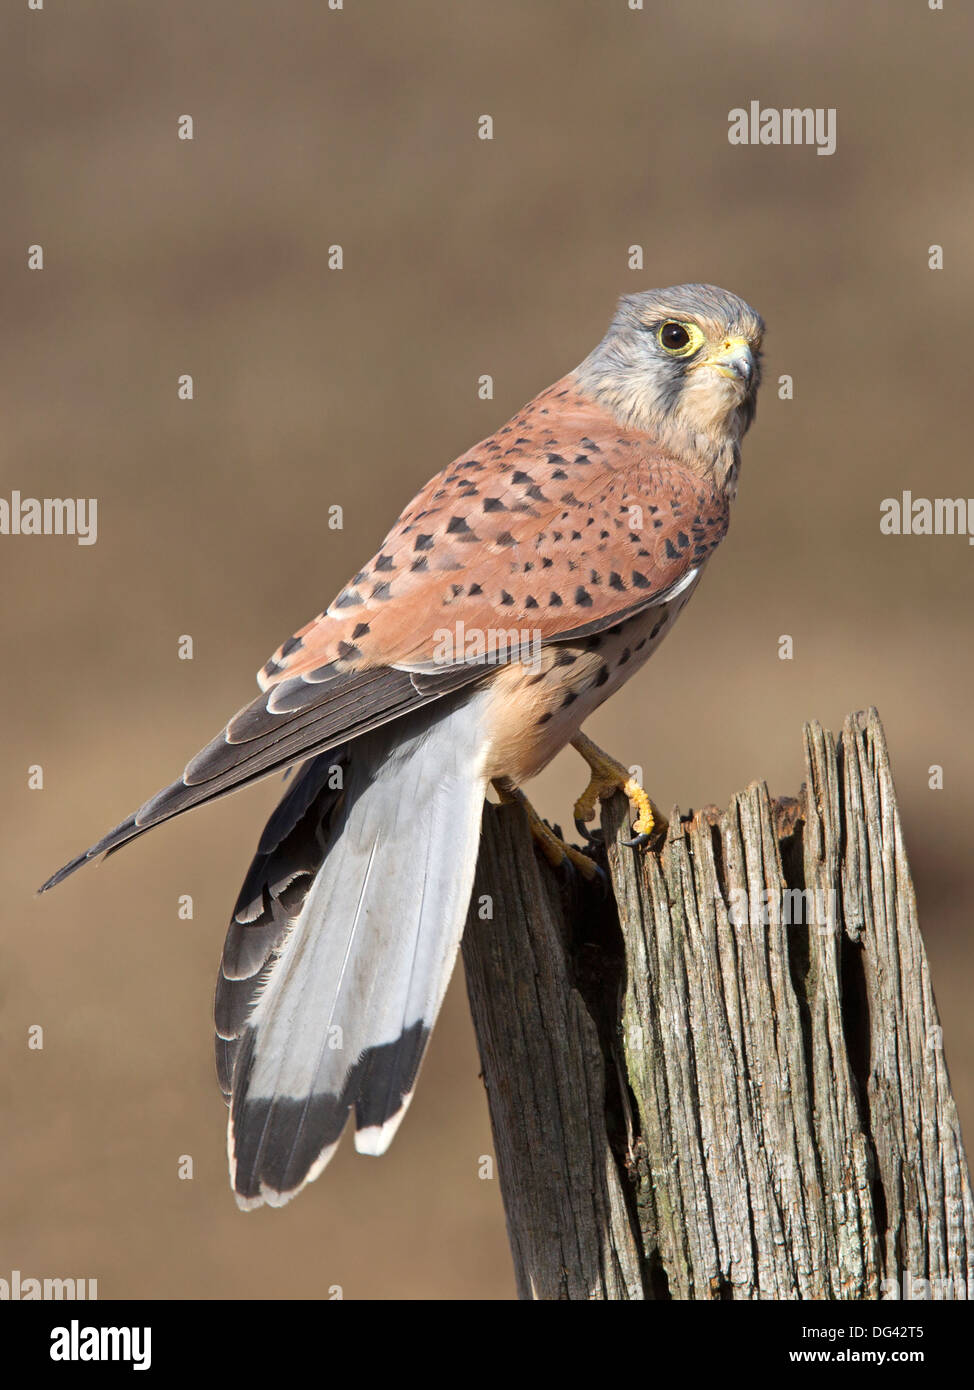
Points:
[[679, 339]]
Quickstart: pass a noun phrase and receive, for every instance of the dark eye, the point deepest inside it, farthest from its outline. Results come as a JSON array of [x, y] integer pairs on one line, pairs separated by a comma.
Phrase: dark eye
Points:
[[674, 336]]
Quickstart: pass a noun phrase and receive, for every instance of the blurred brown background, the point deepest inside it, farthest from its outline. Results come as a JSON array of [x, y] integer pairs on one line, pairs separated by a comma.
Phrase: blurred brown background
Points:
[[316, 387]]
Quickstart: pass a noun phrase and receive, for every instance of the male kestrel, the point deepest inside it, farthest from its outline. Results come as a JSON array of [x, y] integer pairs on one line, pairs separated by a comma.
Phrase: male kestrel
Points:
[[516, 592]]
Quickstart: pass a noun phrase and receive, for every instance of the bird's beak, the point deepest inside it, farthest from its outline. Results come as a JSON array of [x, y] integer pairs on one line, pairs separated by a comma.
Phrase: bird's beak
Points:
[[735, 360]]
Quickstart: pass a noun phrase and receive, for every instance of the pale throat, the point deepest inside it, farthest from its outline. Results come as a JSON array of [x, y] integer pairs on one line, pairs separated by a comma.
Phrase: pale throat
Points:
[[702, 428]]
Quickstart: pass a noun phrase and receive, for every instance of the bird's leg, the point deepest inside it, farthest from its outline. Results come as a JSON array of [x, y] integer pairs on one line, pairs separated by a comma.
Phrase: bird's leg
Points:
[[554, 850], [609, 776]]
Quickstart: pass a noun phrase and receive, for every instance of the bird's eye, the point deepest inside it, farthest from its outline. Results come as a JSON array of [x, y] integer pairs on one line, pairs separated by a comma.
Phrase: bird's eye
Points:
[[674, 336]]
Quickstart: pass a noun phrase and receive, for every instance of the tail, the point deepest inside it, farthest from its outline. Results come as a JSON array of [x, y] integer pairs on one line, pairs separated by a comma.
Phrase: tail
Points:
[[342, 945]]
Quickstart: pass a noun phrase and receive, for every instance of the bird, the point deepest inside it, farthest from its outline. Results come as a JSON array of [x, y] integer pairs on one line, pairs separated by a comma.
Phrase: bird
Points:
[[517, 591]]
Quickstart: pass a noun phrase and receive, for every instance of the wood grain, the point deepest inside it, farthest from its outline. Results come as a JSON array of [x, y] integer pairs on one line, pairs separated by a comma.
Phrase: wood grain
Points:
[[725, 1079]]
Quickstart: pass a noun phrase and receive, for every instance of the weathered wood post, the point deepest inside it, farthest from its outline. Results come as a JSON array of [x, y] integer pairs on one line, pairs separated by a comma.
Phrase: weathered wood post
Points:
[[726, 1078]]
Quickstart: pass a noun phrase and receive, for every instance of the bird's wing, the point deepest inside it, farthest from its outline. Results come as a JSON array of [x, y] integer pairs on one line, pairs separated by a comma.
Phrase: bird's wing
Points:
[[560, 522], [257, 742], [558, 525]]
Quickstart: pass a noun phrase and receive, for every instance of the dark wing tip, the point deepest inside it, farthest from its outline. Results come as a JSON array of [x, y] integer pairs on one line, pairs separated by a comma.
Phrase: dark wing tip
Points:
[[64, 872], [128, 829]]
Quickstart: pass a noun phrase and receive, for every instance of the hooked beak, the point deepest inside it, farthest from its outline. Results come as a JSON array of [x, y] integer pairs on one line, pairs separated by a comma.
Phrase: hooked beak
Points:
[[735, 360]]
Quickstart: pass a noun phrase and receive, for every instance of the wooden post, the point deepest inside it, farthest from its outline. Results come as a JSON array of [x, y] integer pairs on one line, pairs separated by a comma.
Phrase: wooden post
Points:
[[725, 1078]]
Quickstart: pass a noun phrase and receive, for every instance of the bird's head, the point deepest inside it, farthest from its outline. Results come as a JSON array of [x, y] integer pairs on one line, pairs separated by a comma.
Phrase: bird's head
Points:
[[683, 364]]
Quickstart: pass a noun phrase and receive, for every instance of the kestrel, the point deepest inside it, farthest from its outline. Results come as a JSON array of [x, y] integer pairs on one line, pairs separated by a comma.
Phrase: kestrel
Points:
[[515, 593]]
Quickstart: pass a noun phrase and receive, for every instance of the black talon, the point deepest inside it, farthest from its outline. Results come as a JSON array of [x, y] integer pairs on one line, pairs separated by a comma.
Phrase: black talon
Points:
[[603, 878], [638, 841], [594, 837], [566, 870], [575, 874]]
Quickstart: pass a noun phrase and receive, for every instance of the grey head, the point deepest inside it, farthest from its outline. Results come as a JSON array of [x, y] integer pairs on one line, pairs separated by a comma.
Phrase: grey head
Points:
[[682, 364]]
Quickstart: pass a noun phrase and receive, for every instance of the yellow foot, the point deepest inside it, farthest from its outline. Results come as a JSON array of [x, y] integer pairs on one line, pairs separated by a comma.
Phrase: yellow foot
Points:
[[608, 777], [554, 850]]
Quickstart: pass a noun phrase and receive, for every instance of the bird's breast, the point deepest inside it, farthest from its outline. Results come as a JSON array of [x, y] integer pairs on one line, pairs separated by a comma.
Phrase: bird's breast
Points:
[[537, 707]]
